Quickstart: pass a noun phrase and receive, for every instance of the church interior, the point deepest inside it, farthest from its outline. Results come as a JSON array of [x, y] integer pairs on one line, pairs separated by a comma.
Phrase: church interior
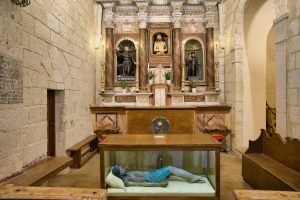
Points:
[[149, 99]]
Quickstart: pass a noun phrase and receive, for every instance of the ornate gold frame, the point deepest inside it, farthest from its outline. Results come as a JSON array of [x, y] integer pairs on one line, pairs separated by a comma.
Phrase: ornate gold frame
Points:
[[168, 33]]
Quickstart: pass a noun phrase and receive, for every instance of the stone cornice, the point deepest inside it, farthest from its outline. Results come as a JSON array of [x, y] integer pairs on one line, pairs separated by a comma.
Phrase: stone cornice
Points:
[[166, 10]]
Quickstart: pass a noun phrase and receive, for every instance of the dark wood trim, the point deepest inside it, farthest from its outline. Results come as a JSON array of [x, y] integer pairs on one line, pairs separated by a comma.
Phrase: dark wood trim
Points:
[[102, 169], [217, 108], [51, 123]]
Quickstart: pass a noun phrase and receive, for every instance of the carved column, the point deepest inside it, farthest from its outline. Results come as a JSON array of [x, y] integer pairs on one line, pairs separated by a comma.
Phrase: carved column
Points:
[[109, 51], [176, 18], [210, 61], [143, 18], [176, 59], [109, 59], [143, 59]]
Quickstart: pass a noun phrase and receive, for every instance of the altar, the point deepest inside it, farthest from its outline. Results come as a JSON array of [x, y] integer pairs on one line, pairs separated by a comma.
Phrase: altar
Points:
[[174, 61], [197, 154]]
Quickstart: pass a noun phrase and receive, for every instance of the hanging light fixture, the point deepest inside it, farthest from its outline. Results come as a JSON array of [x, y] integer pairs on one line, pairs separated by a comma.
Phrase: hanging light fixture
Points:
[[21, 3]]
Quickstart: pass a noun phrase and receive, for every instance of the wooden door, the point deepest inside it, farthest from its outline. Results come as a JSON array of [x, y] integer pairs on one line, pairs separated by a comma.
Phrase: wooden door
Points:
[[51, 122]]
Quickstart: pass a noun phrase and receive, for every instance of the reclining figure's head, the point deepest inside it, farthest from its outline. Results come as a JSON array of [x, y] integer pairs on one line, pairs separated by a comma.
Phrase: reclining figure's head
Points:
[[118, 171]]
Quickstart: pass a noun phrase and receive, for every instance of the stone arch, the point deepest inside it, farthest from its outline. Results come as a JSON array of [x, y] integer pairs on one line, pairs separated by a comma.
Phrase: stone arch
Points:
[[236, 51], [129, 39]]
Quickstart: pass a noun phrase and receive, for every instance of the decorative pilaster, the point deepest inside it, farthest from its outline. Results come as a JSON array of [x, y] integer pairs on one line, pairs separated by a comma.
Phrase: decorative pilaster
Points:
[[109, 51], [143, 59], [177, 20], [210, 43], [281, 45], [210, 68], [176, 59], [143, 18]]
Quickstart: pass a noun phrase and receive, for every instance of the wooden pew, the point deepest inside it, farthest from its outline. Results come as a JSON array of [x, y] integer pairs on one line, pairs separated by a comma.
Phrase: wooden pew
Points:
[[83, 150], [21, 192], [272, 164], [265, 195], [40, 172]]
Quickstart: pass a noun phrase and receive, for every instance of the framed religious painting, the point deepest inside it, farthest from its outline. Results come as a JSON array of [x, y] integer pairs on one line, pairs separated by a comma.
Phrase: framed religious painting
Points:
[[160, 43]]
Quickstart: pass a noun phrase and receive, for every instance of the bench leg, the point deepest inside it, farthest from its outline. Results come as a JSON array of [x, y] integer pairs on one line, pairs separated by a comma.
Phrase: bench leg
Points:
[[76, 159]]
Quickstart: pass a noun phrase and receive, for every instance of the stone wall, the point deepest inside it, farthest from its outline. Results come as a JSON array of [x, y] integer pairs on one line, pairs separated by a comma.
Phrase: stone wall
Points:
[[293, 70], [233, 67], [54, 42]]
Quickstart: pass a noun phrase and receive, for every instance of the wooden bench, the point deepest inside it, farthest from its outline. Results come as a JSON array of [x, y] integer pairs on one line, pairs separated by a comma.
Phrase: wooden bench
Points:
[[272, 164], [21, 192], [40, 172], [265, 195], [83, 150]]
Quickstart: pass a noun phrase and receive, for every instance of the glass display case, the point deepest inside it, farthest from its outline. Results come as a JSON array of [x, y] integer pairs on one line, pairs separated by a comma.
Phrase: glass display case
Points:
[[177, 166]]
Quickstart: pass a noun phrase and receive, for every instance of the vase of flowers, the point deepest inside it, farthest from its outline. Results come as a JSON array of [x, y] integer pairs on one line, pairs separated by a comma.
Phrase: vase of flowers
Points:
[[123, 85], [168, 77], [193, 86], [151, 77]]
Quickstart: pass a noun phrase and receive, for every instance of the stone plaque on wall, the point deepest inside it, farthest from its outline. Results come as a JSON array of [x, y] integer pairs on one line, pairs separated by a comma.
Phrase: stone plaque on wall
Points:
[[125, 99], [194, 98], [11, 81]]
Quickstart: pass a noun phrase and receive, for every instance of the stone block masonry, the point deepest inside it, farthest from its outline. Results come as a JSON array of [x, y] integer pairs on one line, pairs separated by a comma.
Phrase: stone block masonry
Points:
[[293, 70], [46, 45]]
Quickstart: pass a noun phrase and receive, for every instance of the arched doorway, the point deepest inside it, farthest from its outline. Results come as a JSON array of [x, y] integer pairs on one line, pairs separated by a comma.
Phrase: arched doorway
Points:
[[258, 21]]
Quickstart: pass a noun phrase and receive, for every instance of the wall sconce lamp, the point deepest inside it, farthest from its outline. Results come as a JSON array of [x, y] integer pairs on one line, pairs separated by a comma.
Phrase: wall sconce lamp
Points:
[[98, 41], [21, 3]]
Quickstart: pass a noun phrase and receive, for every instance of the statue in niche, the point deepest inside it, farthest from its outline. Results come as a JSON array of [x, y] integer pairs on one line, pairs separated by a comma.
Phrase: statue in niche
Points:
[[160, 44], [192, 65], [126, 61], [194, 60]]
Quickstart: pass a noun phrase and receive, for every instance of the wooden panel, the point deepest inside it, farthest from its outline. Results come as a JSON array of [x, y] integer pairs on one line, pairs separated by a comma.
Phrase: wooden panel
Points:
[[18, 192], [181, 121], [260, 178], [266, 195], [286, 152], [279, 171]]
